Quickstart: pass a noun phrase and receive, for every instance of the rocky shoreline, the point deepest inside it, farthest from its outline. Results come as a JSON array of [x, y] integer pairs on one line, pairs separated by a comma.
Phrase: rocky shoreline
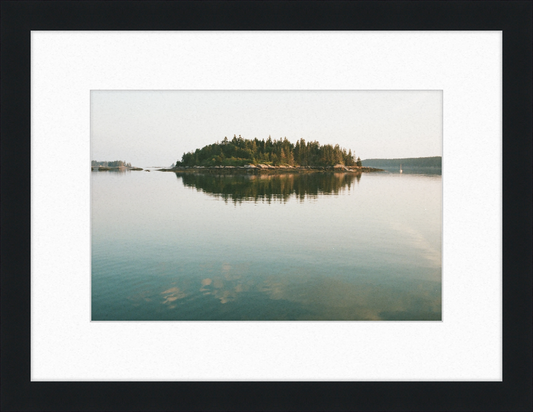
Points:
[[261, 168]]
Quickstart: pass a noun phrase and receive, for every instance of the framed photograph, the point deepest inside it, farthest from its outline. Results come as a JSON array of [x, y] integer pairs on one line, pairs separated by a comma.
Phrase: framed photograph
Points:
[[324, 207], [248, 228]]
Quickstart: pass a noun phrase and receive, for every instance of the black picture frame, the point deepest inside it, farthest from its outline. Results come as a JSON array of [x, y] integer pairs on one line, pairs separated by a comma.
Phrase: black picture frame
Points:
[[19, 18]]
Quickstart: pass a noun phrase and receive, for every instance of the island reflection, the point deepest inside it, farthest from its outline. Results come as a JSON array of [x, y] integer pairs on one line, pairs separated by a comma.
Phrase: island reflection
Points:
[[268, 187]]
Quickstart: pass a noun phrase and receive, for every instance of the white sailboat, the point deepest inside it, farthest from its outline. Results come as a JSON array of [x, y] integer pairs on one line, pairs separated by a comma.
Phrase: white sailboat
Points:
[[401, 171]]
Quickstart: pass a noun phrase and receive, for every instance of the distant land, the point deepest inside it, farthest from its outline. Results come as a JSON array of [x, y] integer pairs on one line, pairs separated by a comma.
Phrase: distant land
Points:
[[115, 165], [419, 164]]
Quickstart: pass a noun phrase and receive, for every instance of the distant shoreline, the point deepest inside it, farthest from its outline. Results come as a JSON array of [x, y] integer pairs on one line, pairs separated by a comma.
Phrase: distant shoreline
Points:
[[114, 168], [434, 162]]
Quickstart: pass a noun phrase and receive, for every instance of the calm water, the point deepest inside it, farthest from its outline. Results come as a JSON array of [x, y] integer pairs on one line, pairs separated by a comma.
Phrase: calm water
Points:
[[321, 246]]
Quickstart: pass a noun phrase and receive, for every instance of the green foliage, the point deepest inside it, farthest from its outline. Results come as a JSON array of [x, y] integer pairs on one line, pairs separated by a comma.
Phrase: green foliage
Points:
[[239, 151]]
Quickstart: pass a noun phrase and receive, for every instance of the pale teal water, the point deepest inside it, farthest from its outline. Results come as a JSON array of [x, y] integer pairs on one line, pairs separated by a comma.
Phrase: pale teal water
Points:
[[311, 247]]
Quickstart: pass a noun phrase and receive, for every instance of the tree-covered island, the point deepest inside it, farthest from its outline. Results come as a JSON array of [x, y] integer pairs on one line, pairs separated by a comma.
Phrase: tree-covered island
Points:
[[270, 153]]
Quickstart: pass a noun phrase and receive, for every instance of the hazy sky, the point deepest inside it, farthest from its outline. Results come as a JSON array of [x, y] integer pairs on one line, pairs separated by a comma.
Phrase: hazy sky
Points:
[[155, 128]]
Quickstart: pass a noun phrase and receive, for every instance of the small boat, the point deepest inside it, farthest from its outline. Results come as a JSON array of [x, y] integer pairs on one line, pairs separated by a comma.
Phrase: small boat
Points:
[[401, 171]]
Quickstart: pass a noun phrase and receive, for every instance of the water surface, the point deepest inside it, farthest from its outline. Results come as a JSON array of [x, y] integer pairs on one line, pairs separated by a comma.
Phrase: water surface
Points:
[[319, 246]]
